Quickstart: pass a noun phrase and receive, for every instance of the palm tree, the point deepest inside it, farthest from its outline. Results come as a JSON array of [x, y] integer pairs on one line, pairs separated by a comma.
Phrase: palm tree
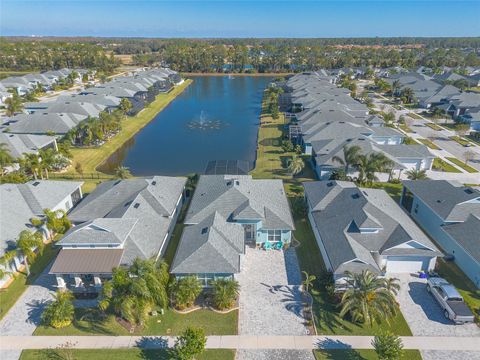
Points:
[[122, 172], [408, 95], [368, 165], [13, 104], [27, 243], [5, 269], [186, 290], [392, 285], [395, 86], [415, 174], [56, 221], [60, 312], [125, 105], [296, 165], [308, 282], [225, 292], [32, 164], [367, 298], [5, 157], [133, 292], [350, 157]]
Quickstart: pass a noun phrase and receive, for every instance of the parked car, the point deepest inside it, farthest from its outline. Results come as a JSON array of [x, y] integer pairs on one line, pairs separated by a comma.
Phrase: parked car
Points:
[[452, 303]]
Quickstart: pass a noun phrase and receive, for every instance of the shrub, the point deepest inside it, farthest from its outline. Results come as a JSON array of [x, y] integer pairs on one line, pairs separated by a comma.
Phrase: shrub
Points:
[[185, 291], [189, 344], [388, 346], [60, 312], [225, 292]]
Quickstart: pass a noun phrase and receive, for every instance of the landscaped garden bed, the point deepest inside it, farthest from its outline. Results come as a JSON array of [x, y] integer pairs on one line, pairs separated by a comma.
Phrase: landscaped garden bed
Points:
[[429, 143], [461, 141], [434, 126]]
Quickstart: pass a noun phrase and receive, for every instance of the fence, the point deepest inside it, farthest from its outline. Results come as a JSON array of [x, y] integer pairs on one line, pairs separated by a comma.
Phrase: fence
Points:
[[85, 176]]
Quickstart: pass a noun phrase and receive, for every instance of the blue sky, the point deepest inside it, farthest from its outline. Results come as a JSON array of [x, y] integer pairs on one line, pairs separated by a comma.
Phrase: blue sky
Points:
[[152, 18]]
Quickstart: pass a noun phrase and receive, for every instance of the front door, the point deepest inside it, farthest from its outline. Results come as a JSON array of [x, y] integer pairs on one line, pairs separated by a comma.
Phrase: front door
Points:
[[250, 231]]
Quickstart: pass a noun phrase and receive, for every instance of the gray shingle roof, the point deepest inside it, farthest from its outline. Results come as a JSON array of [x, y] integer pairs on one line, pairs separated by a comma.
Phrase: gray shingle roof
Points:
[[29, 200], [230, 195], [41, 123], [151, 202], [449, 200], [340, 211], [467, 235], [19, 144], [212, 246]]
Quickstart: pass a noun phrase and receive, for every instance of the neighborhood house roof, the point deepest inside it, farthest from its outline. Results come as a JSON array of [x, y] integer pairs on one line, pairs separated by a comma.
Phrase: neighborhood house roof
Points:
[[467, 235], [354, 223], [86, 261]]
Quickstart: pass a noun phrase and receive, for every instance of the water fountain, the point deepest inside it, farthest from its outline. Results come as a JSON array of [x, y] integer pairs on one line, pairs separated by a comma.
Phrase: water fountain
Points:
[[204, 124]]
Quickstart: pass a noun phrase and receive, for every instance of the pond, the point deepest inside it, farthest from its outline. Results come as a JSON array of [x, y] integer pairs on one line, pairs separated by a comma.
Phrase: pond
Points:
[[215, 119]]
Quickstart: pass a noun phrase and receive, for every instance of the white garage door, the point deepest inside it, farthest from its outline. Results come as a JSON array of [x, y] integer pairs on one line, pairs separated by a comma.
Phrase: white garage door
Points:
[[407, 264]]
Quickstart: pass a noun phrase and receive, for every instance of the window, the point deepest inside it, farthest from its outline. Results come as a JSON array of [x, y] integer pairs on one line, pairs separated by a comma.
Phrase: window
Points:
[[274, 235]]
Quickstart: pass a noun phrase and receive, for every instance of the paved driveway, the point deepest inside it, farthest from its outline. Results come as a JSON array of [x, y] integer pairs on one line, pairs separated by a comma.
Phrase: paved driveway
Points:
[[270, 301], [23, 318], [425, 317]]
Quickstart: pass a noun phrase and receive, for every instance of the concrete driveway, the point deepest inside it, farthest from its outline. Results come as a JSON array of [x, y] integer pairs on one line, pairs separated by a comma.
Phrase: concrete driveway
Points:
[[270, 301], [425, 318]]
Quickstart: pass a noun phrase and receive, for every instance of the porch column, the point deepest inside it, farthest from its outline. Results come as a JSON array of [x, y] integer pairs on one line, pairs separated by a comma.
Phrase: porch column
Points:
[[78, 282], [97, 281], [61, 282]]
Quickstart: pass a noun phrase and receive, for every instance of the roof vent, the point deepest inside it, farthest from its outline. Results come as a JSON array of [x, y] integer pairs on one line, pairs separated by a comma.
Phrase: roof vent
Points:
[[204, 230], [330, 184], [229, 183], [136, 205], [117, 182], [356, 196], [154, 183], [36, 183], [469, 191], [237, 182]]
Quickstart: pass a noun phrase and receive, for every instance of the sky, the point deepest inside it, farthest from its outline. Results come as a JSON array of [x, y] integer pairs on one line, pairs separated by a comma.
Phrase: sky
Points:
[[228, 18]]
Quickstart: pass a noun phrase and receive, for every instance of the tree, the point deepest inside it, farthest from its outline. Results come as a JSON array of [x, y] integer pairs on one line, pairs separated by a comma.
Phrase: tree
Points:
[[408, 95], [395, 86], [350, 157], [133, 292], [308, 281], [389, 117], [60, 312], [287, 146], [122, 172], [5, 157], [369, 164], [27, 243], [125, 105], [437, 113], [296, 165], [5, 261], [388, 346], [190, 343], [415, 174], [461, 129], [469, 156], [225, 292], [185, 291], [56, 221], [13, 104], [367, 298]]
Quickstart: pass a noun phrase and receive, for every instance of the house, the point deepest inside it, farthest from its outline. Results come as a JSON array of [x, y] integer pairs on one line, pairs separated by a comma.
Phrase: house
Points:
[[22, 202], [449, 213], [228, 212], [41, 123], [360, 229], [121, 220], [19, 144]]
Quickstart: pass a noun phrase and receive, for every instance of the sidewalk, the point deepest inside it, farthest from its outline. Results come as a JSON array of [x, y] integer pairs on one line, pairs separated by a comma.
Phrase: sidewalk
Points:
[[439, 343]]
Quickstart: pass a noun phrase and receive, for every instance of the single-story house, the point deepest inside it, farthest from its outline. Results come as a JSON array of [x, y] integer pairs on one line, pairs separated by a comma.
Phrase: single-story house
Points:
[[121, 220], [364, 229], [19, 144], [228, 212], [449, 213], [22, 202]]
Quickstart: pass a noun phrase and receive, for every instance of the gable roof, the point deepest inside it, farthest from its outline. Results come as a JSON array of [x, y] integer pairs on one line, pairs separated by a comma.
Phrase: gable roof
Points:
[[19, 144], [449, 200], [212, 246], [467, 235], [353, 223], [234, 195]]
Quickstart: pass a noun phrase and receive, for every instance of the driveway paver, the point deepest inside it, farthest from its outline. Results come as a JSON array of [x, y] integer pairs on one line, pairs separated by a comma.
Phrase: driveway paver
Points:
[[270, 301], [23, 318], [425, 317]]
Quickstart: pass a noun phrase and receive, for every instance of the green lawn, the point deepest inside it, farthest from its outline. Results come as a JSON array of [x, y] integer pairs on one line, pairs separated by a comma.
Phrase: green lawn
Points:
[[362, 354], [461, 141], [429, 143], [434, 126], [394, 190], [91, 158], [9, 295], [461, 164], [405, 128], [452, 273], [124, 354], [441, 165], [88, 322], [414, 116]]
